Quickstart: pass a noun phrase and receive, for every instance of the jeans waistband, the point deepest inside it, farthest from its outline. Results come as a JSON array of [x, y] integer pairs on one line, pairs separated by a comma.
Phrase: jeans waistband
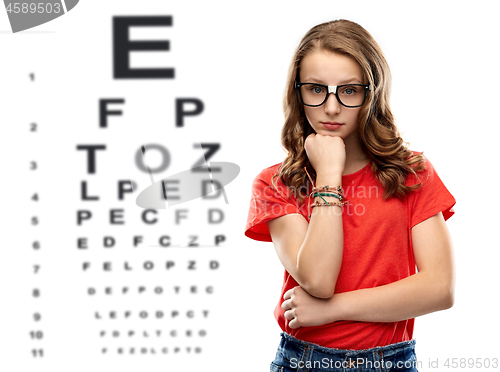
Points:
[[299, 352]]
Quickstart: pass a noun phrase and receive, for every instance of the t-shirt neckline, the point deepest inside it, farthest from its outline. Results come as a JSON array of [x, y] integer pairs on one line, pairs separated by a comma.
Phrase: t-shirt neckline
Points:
[[357, 172]]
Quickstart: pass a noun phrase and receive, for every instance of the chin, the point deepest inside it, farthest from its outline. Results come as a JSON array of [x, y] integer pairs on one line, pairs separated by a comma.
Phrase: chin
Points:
[[332, 133]]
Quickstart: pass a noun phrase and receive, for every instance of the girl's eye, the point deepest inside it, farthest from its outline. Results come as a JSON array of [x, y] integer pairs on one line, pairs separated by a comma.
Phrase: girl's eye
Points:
[[317, 89], [349, 91]]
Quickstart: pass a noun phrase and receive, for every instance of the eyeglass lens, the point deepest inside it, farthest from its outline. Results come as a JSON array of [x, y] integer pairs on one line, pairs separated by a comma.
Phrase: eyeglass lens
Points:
[[349, 95]]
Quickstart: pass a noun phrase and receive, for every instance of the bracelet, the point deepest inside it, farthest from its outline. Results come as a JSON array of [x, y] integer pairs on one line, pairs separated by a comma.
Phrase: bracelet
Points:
[[327, 204], [335, 191], [321, 194], [323, 199]]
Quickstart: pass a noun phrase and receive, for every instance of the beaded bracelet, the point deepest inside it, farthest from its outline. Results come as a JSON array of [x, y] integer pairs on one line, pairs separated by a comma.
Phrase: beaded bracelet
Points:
[[336, 189], [327, 204]]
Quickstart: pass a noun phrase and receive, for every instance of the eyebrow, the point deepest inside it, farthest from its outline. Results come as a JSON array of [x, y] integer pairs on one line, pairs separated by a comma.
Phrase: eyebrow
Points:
[[353, 80]]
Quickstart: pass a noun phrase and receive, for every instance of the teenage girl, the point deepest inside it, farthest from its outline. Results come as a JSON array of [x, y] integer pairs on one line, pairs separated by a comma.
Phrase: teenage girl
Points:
[[351, 212]]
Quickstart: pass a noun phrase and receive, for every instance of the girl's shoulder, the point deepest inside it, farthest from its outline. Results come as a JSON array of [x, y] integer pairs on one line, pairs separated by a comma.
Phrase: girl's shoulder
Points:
[[267, 181], [432, 196], [266, 174]]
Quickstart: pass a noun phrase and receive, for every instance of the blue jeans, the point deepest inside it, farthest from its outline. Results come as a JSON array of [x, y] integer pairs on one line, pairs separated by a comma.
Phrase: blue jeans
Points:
[[299, 356]]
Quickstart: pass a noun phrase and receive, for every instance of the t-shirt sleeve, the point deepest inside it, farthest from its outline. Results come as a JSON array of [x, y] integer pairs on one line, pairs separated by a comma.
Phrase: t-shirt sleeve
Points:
[[431, 198], [267, 203]]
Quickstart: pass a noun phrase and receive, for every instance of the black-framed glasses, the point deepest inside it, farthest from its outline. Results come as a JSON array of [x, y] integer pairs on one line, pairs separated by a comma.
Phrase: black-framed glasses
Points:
[[349, 95]]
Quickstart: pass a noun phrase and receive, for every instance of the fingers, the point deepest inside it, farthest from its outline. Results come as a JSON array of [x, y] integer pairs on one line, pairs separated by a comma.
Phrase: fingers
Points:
[[288, 294], [289, 309], [290, 314], [293, 321], [293, 324], [286, 305]]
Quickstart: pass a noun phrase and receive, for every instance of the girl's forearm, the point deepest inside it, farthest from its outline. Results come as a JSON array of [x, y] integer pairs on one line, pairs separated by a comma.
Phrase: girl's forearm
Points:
[[408, 298], [320, 257]]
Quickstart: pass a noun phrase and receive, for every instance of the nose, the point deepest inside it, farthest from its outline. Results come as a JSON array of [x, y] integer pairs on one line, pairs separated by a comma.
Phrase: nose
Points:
[[332, 104]]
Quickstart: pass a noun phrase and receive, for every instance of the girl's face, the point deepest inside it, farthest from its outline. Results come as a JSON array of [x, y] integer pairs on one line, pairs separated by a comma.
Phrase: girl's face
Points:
[[327, 68]]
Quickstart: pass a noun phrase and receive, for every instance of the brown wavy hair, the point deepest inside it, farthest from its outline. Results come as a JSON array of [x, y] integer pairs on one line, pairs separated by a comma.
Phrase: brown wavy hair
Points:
[[391, 160]]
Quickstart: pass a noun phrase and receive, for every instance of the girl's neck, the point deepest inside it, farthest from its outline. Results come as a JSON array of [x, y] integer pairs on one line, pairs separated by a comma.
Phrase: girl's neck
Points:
[[356, 158]]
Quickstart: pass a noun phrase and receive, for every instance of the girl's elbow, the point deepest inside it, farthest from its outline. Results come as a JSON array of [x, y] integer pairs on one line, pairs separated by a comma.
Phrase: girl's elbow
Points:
[[447, 298], [320, 288], [318, 283], [450, 299], [441, 291]]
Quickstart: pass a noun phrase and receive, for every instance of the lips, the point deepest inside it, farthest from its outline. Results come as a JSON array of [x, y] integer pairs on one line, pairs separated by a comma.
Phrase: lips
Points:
[[331, 124]]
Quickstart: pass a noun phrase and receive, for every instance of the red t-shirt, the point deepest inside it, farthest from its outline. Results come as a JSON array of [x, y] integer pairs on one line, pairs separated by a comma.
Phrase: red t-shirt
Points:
[[377, 245]]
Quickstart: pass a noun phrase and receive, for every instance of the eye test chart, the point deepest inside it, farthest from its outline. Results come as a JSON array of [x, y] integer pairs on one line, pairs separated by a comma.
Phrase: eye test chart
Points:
[[120, 241], [131, 135]]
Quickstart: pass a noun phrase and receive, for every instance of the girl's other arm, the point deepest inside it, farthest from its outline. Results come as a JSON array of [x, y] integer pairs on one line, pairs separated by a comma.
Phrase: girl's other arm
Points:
[[430, 290]]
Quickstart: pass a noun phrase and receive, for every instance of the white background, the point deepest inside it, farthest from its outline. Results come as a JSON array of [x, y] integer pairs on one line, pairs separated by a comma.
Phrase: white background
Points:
[[234, 57]]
